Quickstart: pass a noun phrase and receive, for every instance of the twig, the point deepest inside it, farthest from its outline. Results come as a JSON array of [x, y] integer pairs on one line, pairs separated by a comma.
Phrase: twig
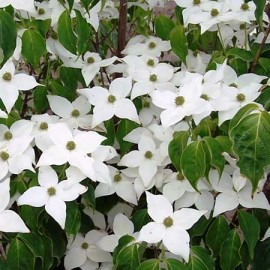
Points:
[[256, 60], [122, 27]]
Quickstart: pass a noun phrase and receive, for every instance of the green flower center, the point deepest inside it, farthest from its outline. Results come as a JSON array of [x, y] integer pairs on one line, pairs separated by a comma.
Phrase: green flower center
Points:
[[146, 104], [41, 11], [152, 45], [151, 62], [8, 135], [51, 191], [153, 78], [75, 113], [205, 97], [70, 145], [111, 98], [7, 76], [245, 6], [84, 245], [180, 177], [179, 101], [241, 97], [168, 222], [43, 126], [4, 156], [196, 2], [117, 178], [148, 154], [242, 26], [214, 12], [233, 85], [90, 60]]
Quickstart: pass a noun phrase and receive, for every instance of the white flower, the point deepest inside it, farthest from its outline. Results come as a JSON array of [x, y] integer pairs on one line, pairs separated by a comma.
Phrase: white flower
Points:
[[9, 220], [11, 83], [27, 5], [52, 194], [111, 102], [168, 226], [74, 149], [84, 253]]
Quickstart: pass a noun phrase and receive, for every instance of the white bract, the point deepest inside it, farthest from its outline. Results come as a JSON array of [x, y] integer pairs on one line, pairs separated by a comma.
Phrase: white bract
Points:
[[168, 226]]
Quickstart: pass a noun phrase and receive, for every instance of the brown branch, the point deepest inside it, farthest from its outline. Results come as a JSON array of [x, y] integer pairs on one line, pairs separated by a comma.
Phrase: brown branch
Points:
[[122, 27], [256, 60]]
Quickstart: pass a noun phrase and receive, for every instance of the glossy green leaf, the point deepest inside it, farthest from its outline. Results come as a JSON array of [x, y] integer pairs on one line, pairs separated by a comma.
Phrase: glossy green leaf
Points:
[[251, 144], [199, 228], [152, 264], [261, 256], [217, 233], [73, 219], [33, 46], [264, 98], [1, 56], [163, 26], [240, 53], [179, 42], [250, 227], [139, 219], [40, 99], [123, 129], [173, 264], [260, 4], [65, 32], [19, 256], [60, 90], [128, 258], [8, 35], [71, 77], [200, 259], [31, 216], [215, 150], [229, 252], [193, 163], [89, 195], [225, 142], [83, 32], [176, 148]]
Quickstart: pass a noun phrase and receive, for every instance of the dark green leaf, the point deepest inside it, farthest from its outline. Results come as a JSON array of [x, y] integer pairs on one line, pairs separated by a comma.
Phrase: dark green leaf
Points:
[[173, 264], [8, 35], [152, 264], [240, 53], [65, 32], [250, 228], [19, 256], [71, 77], [60, 90], [200, 259], [139, 219], [199, 228], [225, 142], [83, 32], [163, 26], [250, 143], [193, 163], [31, 216], [73, 219], [260, 4], [179, 42], [176, 148], [229, 252], [217, 233], [33, 47], [40, 99], [128, 258], [264, 98], [261, 256]]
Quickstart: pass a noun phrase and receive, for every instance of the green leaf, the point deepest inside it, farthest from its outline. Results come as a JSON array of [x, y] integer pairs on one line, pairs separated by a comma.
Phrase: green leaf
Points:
[[59, 90], [1, 55], [250, 228], [19, 256], [229, 252], [264, 98], [139, 219], [83, 32], [200, 259], [173, 264], [217, 233], [8, 35], [225, 142], [89, 195], [33, 47], [31, 216], [128, 258], [123, 129], [152, 264], [163, 26], [215, 150], [199, 228], [40, 99], [70, 77], [73, 219], [240, 53], [193, 163], [251, 144], [176, 148], [66, 35], [261, 256], [260, 4], [179, 42]]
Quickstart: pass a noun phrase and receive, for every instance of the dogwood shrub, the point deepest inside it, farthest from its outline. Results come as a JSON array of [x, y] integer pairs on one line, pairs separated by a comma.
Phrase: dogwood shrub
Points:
[[134, 134]]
